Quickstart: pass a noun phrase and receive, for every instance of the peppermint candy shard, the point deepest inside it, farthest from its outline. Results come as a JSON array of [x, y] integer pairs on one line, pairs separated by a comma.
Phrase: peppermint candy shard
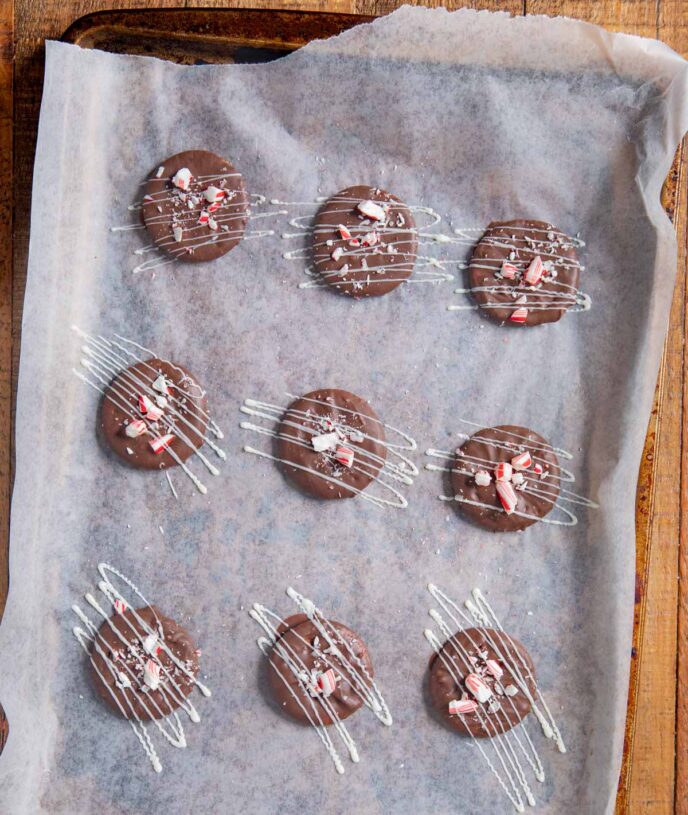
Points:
[[178, 234], [370, 239], [345, 456], [507, 496], [122, 680], [204, 217], [509, 271], [182, 178], [534, 271], [517, 478], [462, 706], [151, 674], [325, 441], [511, 690], [161, 385], [503, 471], [213, 194], [522, 461], [148, 409], [494, 668], [150, 643], [519, 315], [338, 252], [327, 682], [371, 210], [119, 605], [344, 232], [135, 428], [160, 443], [483, 478], [537, 468], [478, 687]]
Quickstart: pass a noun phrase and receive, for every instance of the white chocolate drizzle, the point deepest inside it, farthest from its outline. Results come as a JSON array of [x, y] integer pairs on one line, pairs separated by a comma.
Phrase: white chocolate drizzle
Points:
[[538, 299], [536, 485], [428, 269], [114, 586], [104, 359], [504, 752], [390, 474], [338, 656], [223, 217]]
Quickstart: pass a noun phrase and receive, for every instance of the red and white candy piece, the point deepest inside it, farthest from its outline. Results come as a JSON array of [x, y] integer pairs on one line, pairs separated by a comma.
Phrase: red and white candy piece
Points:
[[123, 680], [212, 223], [213, 194], [478, 687], [507, 496], [338, 252], [161, 385], [161, 443], [120, 606], [345, 456], [519, 315], [537, 468], [494, 668], [151, 674], [178, 233], [214, 207], [457, 706], [182, 178], [135, 428], [483, 478], [148, 409], [534, 271], [150, 643], [509, 271], [204, 217], [371, 210], [503, 471], [522, 461], [344, 232], [370, 239], [326, 441], [327, 682]]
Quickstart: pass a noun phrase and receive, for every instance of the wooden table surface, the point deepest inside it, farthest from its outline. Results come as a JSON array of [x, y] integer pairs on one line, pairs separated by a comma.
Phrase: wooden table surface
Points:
[[654, 778]]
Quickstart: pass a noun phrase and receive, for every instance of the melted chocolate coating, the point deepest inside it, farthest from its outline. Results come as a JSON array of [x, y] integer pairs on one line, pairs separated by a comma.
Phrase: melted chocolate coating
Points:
[[371, 270], [298, 635], [183, 208], [120, 406], [476, 643], [129, 658], [551, 298], [325, 411], [480, 453]]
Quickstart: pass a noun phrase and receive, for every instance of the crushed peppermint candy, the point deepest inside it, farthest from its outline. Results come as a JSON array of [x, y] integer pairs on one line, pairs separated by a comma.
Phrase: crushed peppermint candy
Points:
[[537, 468], [182, 178], [518, 479], [325, 441], [327, 682], [123, 680], [483, 478], [135, 428], [534, 271], [371, 210], [511, 690], [370, 239], [522, 461], [337, 253], [213, 194], [345, 456], [148, 409], [478, 687], [509, 271], [150, 643], [151, 674], [344, 232], [178, 233], [161, 443], [460, 706], [494, 668], [161, 385], [519, 315], [507, 496], [120, 606], [503, 471]]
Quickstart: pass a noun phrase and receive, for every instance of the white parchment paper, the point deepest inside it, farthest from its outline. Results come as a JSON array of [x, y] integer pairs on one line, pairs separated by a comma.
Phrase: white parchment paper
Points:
[[480, 117]]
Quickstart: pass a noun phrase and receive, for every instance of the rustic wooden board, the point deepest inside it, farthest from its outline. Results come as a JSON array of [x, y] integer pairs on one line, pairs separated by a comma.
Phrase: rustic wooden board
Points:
[[652, 780]]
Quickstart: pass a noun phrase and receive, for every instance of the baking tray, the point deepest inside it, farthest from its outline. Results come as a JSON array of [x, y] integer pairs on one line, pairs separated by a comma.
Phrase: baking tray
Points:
[[198, 36]]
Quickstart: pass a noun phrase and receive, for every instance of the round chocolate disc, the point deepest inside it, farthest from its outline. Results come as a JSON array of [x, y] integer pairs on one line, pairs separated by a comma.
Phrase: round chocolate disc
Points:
[[364, 242], [307, 650], [504, 293], [331, 443], [195, 206], [532, 482], [147, 403], [121, 650], [501, 664]]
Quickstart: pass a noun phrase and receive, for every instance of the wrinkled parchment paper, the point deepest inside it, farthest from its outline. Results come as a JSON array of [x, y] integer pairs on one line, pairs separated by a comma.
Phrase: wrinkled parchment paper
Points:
[[480, 117]]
